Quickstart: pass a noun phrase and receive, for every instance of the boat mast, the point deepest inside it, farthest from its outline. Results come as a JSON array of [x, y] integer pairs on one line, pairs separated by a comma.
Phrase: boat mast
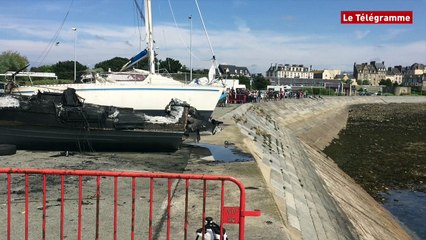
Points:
[[208, 39], [149, 38]]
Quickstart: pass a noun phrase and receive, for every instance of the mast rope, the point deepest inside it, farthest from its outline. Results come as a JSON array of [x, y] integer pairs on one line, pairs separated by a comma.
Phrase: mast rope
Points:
[[53, 41], [180, 34], [205, 30], [208, 38], [138, 25]]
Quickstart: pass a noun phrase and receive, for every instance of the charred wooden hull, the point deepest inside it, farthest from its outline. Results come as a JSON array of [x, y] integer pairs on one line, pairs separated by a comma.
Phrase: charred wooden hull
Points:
[[69, 139], [52, 121]]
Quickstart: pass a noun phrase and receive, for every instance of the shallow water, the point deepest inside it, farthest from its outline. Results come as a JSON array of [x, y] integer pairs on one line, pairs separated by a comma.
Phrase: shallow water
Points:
[[409, 207], [227, 153]]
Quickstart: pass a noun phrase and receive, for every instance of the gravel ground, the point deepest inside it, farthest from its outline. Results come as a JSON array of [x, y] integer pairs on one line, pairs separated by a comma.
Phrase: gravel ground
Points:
[[188, 159]]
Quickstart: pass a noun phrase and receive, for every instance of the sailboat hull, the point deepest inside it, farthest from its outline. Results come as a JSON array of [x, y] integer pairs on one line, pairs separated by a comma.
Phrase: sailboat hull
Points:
[[150, 99]]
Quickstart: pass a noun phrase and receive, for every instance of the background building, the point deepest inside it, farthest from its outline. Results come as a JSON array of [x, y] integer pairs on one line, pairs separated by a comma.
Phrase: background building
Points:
[[394, 74], [232, 71], [415, 77], [290, 71], [374, 72], [327, 74]]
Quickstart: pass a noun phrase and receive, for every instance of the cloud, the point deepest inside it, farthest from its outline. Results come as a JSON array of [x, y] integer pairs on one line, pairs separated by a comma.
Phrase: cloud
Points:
[[53, 7], [243, 47], [238, 3], [241, 24], [361, 34], [99, 37], [128, 43], [394, 33]]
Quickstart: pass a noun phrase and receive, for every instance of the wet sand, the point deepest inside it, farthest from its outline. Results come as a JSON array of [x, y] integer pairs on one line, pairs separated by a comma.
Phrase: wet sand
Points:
[[383, 147]]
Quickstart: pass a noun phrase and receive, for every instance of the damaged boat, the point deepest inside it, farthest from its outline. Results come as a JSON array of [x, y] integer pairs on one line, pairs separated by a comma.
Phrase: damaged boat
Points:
[[62, 121]]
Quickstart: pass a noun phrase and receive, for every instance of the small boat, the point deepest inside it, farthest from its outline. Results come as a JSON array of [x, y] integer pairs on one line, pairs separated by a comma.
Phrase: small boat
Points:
[[62, 121]]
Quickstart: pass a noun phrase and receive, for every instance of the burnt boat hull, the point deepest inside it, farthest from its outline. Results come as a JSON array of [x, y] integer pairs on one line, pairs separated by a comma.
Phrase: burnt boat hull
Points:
[[53, 121], [67, 139]]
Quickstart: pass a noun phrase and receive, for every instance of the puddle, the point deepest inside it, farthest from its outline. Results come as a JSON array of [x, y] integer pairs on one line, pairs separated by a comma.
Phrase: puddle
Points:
[[409, 208], [228, 153]]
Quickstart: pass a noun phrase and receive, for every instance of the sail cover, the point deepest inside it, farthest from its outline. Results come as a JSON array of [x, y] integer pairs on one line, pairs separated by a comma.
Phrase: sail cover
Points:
[[143, 54], [212, 72]]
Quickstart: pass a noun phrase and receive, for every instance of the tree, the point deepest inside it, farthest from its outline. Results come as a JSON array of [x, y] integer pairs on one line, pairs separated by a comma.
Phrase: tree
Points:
[[171, 65], [43, 68], [395, 84], [244, 80], [260, 82], [115, 64], [387, 82], [347, 81], [201, 71], [365, 82], [12, 61], [185, 69], [65, 70]]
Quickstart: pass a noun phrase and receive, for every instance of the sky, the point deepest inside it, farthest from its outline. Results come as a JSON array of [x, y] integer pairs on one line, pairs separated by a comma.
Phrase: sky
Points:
[[249, 33]]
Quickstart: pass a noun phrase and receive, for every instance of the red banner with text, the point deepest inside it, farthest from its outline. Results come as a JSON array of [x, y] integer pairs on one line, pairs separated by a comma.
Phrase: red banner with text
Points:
[[376, 17]]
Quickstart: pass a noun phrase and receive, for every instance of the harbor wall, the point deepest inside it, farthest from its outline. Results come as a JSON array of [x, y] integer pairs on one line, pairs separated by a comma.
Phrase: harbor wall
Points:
[[315, 198]]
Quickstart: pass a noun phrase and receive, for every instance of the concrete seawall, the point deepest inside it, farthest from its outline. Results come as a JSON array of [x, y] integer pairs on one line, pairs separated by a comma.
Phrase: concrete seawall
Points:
[[315, 198]]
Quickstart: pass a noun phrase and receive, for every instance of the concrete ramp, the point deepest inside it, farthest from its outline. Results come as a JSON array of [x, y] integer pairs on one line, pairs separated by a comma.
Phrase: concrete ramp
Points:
[[316, 199]]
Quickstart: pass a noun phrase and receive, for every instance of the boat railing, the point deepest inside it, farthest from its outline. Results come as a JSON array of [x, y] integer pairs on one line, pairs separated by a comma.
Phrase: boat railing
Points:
[[164, 72]]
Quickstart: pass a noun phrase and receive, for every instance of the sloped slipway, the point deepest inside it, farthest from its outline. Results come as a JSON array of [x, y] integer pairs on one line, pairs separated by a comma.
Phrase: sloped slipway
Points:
[[315, 198]]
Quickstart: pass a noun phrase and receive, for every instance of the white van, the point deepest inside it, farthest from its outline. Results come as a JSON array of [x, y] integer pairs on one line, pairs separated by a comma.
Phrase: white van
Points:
[[285, 88]]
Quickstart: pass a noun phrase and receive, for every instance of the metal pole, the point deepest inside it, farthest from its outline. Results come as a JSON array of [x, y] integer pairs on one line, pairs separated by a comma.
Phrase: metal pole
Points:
[[149, 38], [75, 59], [190, 50]]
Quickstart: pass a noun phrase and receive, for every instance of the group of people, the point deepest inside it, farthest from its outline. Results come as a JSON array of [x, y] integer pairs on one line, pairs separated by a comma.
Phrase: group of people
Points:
[[243, 95], [240, 95]]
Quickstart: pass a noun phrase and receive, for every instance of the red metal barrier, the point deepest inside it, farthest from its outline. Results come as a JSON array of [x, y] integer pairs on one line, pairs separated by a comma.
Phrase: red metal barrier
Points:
[[228, 214]]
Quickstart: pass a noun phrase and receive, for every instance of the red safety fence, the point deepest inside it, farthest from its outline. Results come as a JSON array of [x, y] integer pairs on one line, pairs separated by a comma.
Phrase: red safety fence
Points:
[[162, 205]]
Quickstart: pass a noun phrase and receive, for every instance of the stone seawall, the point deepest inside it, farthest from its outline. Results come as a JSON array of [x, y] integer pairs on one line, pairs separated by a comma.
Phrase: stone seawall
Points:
[[315, 198]]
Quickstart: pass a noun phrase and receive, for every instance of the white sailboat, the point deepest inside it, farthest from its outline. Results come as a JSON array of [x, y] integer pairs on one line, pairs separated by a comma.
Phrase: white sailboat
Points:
[[150, 95]]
